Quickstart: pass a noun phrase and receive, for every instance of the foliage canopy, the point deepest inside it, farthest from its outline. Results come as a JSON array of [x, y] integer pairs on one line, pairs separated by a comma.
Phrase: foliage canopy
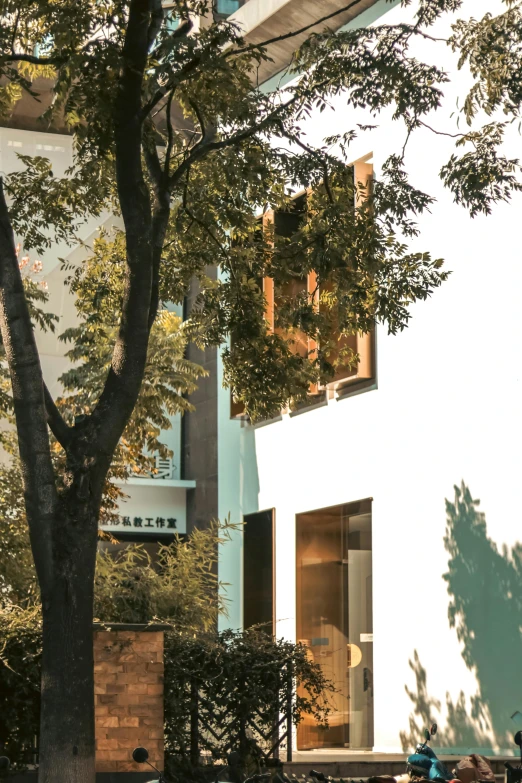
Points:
[[173, 135], [219, 150]]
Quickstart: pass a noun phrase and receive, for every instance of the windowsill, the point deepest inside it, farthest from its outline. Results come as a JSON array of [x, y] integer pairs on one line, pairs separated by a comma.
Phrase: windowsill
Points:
[[265, 422], [341, 393], [310, 406], [350, 390]]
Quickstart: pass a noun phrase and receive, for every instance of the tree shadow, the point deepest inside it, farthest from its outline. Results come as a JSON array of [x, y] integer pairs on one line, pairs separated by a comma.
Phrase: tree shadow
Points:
[[462, 729], [485, 589]]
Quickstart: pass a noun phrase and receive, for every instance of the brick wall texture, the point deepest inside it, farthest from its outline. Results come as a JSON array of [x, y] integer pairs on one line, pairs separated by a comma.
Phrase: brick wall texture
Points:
[[128, 688]]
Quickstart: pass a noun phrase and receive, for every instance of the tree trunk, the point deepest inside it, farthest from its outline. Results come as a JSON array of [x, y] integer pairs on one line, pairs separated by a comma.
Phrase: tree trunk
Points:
[[67, 701]]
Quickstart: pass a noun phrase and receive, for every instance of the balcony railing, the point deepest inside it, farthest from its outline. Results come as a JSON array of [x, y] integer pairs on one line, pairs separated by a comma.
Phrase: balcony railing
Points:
[[164, 469]]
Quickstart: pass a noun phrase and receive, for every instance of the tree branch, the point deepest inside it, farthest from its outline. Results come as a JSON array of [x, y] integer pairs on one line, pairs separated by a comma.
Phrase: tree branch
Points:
[[30, 58], [170, 136], [123, 383], [194, 217], [182, 31], [156, 20], [317, 155], [204, 147], [15, 31], [161, 214], [150, 154], [441, 133], [201, 121], [41, 498], [57, 425]]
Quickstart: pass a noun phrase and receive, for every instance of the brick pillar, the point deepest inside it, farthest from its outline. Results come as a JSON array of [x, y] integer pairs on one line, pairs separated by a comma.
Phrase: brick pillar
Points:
[[128, 687]]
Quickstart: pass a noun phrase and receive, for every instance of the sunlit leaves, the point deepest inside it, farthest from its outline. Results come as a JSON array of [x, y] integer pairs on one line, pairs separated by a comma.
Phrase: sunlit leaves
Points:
[[373, 69], [180, 587], [233, 152], [483, 175], [492, 48], [169, 377], [45, 209]]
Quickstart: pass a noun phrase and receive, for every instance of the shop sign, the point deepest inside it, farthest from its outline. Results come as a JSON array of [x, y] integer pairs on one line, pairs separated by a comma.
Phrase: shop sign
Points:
[[139, 524]]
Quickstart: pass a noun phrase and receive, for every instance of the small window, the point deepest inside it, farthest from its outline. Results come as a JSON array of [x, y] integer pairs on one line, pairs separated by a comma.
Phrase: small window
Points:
[[258, 570], [226, 7]]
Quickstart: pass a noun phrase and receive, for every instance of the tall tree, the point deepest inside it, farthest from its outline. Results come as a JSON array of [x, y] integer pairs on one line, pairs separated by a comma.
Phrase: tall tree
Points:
[[171, 133]]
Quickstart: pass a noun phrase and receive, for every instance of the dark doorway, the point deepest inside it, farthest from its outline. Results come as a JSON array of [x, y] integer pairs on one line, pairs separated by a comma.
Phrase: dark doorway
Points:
[[258, 570]]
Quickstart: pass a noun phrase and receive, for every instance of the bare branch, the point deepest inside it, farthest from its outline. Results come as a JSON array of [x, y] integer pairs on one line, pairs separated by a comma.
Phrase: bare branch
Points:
[[31, 58], [441, 133], [200, 118], [181, 32], [183, 74], [170, 135], [57, 425], [203, 147], [315, 154], [150, 153], [156, 20], [129, 357], [15, 31]]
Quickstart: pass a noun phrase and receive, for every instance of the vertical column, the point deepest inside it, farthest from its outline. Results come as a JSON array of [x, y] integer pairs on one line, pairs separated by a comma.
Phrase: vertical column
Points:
[[128, 687]]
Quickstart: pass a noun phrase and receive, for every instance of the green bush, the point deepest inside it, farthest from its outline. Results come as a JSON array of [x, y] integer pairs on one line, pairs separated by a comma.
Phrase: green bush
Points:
[[241, 681], [20, 649], [238, 676], [181, 587]]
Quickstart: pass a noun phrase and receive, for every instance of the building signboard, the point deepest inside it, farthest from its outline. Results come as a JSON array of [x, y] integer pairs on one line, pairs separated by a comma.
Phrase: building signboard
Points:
[[152, 510]]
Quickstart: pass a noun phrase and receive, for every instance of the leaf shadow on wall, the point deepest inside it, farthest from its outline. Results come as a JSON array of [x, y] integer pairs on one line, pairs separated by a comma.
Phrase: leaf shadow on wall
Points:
[[485, 608]]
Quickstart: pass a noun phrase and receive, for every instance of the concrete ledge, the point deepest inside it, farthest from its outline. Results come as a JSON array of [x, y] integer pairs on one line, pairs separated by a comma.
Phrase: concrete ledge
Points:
[[262, 20], [152, 627], [101, 777], [360, 765]]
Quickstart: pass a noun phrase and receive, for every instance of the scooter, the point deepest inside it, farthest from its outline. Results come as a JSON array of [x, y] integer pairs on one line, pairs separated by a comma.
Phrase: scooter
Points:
[[141, 756], [514, 774], [424, 762], [4, 766]]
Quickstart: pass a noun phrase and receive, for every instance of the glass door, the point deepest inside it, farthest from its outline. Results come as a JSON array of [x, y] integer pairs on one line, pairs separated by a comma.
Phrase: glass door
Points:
[[334, 618]]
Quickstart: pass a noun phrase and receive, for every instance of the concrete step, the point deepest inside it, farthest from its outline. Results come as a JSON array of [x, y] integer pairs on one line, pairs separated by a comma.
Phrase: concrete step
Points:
[[357, 767]]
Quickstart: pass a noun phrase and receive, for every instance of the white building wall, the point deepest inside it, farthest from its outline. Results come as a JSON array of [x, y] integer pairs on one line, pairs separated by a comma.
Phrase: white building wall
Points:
[[447, 408]]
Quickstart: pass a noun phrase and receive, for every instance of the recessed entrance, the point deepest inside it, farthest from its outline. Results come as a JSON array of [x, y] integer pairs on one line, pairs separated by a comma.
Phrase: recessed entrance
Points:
[[334, 618]]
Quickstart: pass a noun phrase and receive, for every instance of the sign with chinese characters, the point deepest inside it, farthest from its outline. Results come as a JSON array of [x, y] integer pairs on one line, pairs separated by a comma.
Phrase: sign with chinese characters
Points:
[[139, 523], [150, 510]]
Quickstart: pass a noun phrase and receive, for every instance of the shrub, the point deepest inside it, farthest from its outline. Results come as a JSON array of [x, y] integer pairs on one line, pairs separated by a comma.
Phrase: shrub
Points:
[[20, 648], [181, 587], [240, 684]]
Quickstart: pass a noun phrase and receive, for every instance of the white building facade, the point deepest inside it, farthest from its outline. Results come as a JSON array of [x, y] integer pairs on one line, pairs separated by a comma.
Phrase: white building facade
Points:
[[353, 542], [410, 602]]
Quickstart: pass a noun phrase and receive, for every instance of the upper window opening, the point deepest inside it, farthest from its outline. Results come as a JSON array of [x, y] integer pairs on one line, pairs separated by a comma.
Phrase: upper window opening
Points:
[[285, 223]]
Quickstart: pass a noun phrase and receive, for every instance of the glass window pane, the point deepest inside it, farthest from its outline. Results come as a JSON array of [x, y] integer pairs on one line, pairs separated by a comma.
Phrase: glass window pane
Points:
[[227, 7], [334, 618]]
